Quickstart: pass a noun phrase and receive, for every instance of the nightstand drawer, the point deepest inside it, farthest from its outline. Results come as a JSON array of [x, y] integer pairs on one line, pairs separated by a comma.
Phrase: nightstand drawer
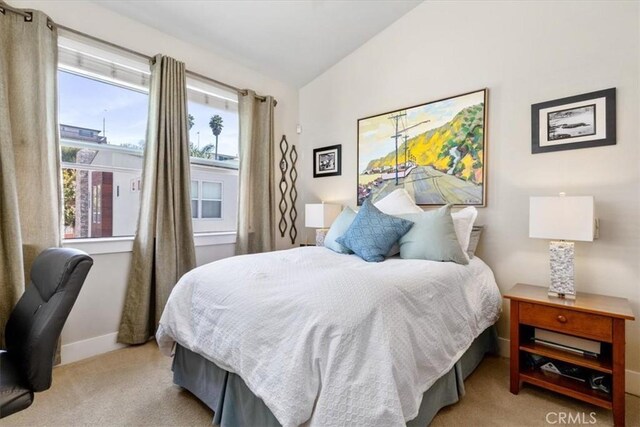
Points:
[[567, 321]]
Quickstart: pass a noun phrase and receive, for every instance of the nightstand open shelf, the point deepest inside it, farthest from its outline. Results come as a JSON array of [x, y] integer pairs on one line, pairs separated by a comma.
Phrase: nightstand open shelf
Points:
[[593, 317], [602, 364], [566, 386]]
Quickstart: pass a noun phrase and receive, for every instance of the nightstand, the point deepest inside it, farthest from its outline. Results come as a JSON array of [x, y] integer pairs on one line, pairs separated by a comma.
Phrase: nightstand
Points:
[[594, 317]]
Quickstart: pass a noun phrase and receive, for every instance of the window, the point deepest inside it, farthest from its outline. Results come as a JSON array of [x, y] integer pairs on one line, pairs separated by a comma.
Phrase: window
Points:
[[209, 205], [103, 105], [211, 200], [103, 109], [213, 137]]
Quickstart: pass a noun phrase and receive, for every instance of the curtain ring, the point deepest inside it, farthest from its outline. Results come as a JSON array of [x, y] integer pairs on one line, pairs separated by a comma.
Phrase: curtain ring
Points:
[[28, 17], [2, 10]]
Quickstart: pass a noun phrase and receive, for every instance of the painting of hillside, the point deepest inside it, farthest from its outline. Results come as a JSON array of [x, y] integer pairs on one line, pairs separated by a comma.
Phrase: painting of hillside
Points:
[[436, 151]]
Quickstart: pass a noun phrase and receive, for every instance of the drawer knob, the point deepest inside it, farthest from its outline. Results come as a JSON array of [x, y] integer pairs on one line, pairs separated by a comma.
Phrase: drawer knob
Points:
[[562, 319]]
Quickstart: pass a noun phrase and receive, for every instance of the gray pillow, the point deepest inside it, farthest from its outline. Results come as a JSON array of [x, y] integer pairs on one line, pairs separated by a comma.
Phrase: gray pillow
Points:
[[432, 237], [337, 229], [476, 233]]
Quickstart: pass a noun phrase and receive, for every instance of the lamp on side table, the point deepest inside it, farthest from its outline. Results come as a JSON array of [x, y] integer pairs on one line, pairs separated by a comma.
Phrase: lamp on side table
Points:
[[320, 216], [562, 220]]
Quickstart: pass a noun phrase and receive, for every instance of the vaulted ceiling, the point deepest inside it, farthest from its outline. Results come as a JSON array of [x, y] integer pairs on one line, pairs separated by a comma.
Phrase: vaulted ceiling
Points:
[[290, 40]]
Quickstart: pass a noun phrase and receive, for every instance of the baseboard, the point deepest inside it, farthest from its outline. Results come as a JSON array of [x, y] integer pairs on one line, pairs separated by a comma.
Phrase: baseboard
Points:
[[79, 350], [503, 347], [632, 382], [632, 378]]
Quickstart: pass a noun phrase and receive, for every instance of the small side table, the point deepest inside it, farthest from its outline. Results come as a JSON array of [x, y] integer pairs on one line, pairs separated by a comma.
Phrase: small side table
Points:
[[594, 317]]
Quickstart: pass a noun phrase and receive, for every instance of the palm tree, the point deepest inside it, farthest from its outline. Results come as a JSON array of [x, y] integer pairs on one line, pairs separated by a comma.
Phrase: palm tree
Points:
[[190, 121], [216, 127], [202, 153]]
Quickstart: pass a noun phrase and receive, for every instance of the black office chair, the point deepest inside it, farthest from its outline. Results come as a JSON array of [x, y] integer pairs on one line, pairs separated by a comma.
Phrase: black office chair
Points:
[[35, 325]]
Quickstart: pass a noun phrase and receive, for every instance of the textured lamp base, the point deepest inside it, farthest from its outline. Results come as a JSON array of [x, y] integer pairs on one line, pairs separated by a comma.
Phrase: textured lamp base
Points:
[[320, 235], [561, 255]]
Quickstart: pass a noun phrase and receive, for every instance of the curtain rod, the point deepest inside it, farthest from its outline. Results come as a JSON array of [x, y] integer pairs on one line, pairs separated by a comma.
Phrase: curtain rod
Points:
[[149, 58], [28, 16]]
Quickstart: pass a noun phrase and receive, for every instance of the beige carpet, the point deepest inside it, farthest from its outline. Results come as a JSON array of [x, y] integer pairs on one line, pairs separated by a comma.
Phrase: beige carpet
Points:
[[133, 386]]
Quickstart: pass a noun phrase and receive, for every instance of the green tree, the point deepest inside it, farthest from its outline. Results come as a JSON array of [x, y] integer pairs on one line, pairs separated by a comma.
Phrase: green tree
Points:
[[216, 127], [190, 121], [69, 190], [68, 154], [202, 153]]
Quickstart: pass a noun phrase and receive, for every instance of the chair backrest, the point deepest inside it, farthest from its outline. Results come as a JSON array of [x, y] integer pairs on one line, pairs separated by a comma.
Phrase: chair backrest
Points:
[[36, 322]]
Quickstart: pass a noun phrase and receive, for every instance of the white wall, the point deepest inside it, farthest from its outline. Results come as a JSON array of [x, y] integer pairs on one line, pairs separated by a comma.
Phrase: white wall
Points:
[[524, 52], [93, 323]]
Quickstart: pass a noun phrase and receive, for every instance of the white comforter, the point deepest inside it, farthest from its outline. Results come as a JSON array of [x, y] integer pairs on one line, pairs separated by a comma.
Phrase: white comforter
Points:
[[328, 338]]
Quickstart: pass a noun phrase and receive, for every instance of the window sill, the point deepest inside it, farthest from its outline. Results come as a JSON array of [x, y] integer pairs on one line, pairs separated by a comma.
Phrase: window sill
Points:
[[114, 245]]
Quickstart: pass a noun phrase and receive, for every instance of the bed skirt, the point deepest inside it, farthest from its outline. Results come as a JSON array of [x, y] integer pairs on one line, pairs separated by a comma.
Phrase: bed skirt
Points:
[[235, 405]]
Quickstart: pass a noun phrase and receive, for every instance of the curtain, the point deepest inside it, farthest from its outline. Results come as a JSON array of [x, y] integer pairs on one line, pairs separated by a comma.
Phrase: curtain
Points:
[[30, 180], [163, 247], [256, 224]]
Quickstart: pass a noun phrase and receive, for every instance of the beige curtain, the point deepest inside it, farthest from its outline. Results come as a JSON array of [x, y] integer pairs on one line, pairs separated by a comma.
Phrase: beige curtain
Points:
[[30, 180], [256, 225], [163, 247]]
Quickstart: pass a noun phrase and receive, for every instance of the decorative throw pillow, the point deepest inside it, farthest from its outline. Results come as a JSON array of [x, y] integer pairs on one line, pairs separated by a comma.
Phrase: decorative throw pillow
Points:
[[476, 233], [463, 223], [338, 228], [372, 233], [432, 237], [397, 202]]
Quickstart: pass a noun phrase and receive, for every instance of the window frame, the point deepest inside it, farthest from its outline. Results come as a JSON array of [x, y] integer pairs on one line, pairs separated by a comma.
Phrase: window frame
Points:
[[197, 199]]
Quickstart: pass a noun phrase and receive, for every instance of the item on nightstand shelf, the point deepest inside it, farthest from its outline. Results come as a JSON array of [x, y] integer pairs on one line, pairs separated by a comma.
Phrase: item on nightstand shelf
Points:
[[565, 369], [320, 216], [565, 342], [563, 220], [600, 382], [534, 361]]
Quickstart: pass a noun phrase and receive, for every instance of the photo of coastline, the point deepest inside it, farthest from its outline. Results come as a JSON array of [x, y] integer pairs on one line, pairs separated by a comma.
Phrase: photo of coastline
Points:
[[571, 123]]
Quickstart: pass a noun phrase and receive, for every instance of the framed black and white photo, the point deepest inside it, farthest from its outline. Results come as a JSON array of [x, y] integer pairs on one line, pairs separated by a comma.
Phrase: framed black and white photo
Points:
[[582, 121], [327, 161]]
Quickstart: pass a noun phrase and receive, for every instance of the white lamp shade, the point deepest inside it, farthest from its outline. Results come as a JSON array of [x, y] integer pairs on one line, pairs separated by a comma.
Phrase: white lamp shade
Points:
[[562, 218], [320, 215]]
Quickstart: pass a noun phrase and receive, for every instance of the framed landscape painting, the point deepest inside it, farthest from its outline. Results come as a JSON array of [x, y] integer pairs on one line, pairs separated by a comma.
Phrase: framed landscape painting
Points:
[[436, 151]]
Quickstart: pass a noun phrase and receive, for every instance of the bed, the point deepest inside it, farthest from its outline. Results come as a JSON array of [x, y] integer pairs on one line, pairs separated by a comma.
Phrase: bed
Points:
[[309, 336]]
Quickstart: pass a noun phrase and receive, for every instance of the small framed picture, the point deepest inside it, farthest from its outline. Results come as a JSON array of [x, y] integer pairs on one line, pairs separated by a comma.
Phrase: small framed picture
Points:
[[581, 121], [327, 161]]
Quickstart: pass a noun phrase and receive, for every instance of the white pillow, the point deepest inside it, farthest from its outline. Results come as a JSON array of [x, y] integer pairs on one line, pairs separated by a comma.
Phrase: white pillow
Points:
[[397, 202], [463, 223]]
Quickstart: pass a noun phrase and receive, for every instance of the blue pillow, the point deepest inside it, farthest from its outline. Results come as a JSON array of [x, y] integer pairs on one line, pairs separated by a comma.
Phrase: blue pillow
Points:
[[338, 228], [372, 233]]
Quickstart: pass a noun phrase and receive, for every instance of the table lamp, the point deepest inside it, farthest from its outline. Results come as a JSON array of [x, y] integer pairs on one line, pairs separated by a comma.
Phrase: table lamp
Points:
[[320, 216], [562, 220]]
